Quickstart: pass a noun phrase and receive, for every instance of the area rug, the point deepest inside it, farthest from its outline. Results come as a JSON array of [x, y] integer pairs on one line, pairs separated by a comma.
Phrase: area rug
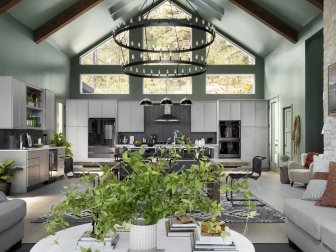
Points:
[[238, 214], [232, 214], [84, 217]]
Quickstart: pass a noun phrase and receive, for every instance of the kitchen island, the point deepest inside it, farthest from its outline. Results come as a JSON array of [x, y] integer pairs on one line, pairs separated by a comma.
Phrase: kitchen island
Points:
[[39, 165]]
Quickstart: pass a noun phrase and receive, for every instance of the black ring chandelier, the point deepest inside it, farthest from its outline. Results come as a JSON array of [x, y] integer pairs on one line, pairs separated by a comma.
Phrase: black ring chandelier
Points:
[[171, 64]]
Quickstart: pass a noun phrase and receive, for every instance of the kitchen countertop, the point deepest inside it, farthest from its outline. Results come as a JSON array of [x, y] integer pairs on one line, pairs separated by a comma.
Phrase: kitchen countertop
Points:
[[45, 147]]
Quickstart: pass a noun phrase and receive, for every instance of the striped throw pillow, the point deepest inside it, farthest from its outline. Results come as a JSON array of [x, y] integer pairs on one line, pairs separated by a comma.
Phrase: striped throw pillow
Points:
[[315, 189]]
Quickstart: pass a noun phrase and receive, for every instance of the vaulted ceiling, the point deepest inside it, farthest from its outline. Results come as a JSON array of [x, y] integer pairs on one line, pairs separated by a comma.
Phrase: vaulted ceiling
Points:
[[74, 25]]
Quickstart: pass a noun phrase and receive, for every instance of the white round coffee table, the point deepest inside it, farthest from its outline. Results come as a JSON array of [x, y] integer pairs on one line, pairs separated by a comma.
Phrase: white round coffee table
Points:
[[67, 240]]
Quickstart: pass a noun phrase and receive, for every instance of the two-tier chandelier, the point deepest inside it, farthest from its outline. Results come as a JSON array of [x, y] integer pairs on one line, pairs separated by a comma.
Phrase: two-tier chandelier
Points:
[[166, 62]]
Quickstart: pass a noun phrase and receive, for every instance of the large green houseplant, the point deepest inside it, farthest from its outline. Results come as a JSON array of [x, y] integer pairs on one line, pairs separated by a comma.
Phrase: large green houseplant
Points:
[[60, 141], [7, 172], [149, 193]]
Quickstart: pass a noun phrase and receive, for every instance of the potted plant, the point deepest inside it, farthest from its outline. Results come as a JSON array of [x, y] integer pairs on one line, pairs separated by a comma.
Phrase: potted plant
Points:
[[59, 140], [148, 194], [6, 174]]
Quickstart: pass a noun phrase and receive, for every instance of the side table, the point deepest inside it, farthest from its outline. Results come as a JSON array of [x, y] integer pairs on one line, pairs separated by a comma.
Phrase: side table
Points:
[[284, 174]]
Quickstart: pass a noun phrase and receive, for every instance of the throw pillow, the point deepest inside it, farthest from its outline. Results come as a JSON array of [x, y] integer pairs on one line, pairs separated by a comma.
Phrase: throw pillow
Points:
[[310, 159], [314, 190], [328, 198], [321, 168], [3, 197]]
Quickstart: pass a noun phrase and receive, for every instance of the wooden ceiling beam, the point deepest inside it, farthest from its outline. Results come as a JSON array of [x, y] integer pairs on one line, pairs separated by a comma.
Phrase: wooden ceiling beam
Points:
[[267, 18], [317, 3], [64, 18], [5, 5]]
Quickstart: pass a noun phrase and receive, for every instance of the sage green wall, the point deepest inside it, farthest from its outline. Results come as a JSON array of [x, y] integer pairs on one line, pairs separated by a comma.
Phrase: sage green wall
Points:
[[285, 77], [198, 82], [41, 64]]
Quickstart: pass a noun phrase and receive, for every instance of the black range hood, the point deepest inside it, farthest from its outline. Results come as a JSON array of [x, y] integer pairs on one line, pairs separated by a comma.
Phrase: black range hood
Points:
[[167, 116]]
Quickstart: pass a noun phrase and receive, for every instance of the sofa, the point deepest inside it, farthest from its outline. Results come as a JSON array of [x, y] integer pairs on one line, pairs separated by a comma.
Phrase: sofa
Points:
[[12, 213], [310, 227]]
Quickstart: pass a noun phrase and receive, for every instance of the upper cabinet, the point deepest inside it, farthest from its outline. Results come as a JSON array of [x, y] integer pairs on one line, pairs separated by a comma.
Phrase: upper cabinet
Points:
[[204, 117], [13, 100], [49, 110], [77, 113], [130, 117], [102, 108], [228, 110]]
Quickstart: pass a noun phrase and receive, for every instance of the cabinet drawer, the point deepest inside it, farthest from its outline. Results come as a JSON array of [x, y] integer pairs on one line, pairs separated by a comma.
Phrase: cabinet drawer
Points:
[[33, 154], [33, 162]]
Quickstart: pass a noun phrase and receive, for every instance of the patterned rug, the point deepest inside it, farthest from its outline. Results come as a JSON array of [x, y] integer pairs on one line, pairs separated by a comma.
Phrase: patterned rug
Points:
[[238, 214], [232, 214]]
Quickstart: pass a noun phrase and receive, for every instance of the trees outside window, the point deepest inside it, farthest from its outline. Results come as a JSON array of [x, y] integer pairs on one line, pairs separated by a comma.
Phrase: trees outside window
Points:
[[230, 84], [223, 52], [104, 84], [107, 53], [174, 86]]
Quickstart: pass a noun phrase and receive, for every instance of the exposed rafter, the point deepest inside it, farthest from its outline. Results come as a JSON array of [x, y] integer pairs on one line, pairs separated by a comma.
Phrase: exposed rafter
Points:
[[267, 18], [317, 3], [64, 18], [5, 5]]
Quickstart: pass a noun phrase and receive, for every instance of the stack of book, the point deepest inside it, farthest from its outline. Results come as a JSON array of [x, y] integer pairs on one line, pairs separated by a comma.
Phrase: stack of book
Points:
[[86, 241], [176, 227], [201, 243]]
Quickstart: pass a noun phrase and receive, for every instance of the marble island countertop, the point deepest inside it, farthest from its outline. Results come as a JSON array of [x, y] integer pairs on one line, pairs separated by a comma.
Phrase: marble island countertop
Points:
[[44, 147]]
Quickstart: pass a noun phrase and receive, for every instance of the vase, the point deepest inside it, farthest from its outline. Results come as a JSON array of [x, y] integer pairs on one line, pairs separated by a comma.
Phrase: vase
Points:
[[5, 188], [143, 237]]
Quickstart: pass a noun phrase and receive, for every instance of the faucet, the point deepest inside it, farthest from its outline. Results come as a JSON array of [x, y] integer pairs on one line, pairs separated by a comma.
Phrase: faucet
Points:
[[21, 141], [175, 137]]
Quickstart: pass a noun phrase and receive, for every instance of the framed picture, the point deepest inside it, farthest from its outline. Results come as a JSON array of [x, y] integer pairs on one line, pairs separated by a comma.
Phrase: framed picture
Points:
[[332, 89]]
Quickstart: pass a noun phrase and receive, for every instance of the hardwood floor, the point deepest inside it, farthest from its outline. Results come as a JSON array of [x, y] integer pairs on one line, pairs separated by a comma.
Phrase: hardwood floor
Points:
[[267, 188]]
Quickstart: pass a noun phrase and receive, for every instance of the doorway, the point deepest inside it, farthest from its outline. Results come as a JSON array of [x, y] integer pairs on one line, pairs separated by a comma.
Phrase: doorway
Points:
[[274, 133], [287, 131]]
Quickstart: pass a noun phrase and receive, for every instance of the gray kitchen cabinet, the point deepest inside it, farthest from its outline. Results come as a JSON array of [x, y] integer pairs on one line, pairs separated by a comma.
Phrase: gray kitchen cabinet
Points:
[[204, 117], [49, 110], [130, 117], [33, 176], [228, 110], [44, 165], [247, 113], [78, 137], [102, 108], [60, 161], [77, 113], [13, 100], [260, 113]]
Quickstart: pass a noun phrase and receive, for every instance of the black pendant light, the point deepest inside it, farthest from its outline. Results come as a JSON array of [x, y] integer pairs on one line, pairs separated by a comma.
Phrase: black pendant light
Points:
[[146, 102], [186, 102], [166, 101]]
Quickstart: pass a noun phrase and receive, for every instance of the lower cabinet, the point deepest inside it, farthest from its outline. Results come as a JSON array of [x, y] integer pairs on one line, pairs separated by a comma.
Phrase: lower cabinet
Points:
[[37, 167]]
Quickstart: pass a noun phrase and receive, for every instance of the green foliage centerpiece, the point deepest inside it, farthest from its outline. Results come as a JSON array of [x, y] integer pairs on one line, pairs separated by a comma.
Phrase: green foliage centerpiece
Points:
[[148, 194]]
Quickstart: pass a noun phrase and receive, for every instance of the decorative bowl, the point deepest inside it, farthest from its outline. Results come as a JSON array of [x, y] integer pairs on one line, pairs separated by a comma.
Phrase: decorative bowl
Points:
[[137, 143]]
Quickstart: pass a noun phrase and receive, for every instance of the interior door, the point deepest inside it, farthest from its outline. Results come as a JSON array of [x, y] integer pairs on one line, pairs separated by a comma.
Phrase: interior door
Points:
[[274, 133], [287, 131]]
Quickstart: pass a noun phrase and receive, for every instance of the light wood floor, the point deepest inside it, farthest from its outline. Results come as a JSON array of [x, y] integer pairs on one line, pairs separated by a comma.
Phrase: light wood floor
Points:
[[267, 188]]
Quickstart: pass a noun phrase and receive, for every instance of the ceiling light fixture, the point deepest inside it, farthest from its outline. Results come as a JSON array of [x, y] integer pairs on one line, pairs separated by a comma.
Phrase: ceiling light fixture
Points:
[[146, 102], [172, 65]]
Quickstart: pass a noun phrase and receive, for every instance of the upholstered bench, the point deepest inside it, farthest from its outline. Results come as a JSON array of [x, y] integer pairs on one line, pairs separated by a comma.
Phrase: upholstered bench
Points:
[[12, 213]]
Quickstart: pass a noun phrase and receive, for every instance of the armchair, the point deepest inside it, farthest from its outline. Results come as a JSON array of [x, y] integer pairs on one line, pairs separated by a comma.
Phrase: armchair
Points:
[[298, 172]]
